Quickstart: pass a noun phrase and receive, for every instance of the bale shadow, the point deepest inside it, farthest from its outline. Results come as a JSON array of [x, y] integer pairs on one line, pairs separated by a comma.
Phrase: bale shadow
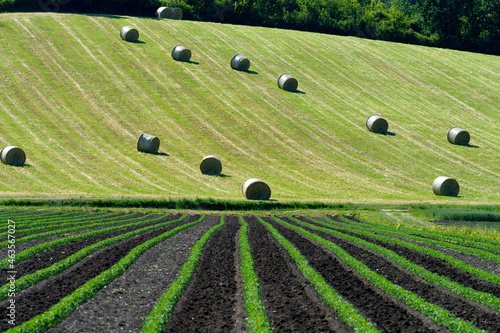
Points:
[[389, 133], [160, 154], [298, 92], [223, 175], [471, 146], [138, 42], [250, 72]]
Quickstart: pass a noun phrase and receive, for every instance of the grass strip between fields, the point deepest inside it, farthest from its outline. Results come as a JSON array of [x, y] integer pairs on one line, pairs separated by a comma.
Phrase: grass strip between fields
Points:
[[257, 320], [487, 276], [444, 282], [161, 312], [437, 314], [29, 280], [349, 314], [23, 255], [86, 291]]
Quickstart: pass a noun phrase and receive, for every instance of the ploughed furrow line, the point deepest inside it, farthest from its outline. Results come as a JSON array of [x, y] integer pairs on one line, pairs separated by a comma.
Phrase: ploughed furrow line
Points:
[[388, 313], [121, 305], [212, 301], [291, 302], [51, 256], [483, 317], [39, 298], [432, 264]]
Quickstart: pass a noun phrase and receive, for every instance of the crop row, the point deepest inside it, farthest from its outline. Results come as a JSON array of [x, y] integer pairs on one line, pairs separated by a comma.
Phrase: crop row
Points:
[[257, 274]]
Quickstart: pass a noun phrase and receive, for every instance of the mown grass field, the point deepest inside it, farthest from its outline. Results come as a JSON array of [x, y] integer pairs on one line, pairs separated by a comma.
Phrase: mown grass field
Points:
[[76, 98]]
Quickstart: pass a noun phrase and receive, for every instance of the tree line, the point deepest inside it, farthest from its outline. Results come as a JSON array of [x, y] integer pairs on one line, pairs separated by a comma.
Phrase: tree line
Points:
[[471, 25]]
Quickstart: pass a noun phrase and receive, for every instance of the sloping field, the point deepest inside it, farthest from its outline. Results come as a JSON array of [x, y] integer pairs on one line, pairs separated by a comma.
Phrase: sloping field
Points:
[[129, 272], [75, 98]]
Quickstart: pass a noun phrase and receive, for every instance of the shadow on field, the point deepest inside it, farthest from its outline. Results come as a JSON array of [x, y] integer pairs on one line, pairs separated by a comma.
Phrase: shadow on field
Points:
[[389, 134], [251, 72]]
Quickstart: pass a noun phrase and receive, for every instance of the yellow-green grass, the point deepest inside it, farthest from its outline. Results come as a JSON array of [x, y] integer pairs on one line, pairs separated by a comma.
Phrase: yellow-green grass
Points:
[[75, 98]]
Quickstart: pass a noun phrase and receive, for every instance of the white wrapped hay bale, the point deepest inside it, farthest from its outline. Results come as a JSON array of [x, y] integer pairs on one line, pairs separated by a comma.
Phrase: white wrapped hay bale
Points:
[[240, 63], [129, 34], [148, 144], [445, 186], [287, 82], [377, 124], [256, 189], [180, 53], [12, 155], [165, 12], [211, 165], [458, 136]]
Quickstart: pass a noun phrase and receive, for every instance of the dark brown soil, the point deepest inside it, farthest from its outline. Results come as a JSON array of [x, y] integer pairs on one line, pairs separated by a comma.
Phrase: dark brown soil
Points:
[[483, 317], [386, 312], [209, 302], [291, 302], [47, 258], [42, 296]]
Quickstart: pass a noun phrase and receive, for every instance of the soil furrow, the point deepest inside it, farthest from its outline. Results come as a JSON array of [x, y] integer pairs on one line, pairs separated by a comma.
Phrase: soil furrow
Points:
[[48, 258], [122, 305], [42, 296], [386, 312], [209, 302], [291, 302], [434, 265], [484, 317]]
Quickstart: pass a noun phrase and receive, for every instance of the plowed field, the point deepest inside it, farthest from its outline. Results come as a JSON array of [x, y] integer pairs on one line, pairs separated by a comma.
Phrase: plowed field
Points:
[[131, 272]]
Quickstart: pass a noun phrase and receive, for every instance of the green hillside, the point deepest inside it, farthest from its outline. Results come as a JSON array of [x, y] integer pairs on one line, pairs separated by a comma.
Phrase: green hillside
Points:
[[75, 98]]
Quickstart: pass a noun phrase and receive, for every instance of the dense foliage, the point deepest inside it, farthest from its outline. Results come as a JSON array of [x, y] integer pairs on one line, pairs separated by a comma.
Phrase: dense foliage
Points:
[[460, 24]]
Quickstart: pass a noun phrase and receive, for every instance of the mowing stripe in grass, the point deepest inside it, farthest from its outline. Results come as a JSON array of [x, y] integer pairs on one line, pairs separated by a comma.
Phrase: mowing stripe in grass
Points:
[[487, 276], [257, 320], [444, 282], [29, 280], [432, 311], [344, 309], [86, 291], [160, 314]]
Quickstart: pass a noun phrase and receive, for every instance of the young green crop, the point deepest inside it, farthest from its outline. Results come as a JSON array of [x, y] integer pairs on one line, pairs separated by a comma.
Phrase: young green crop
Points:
[[257, 320], [86, 291], [160, 314]]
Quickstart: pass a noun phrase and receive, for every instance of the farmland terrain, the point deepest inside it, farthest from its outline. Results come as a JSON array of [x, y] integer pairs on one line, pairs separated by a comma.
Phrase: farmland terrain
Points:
[[131, 271], [76, 97]]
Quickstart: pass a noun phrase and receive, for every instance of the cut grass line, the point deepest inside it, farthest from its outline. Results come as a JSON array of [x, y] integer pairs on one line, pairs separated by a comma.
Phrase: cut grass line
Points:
[[257, 320], [69, 303], [344, 309], [432, 311], [444, 282], [161, 312], [487, 276], [31, 279]]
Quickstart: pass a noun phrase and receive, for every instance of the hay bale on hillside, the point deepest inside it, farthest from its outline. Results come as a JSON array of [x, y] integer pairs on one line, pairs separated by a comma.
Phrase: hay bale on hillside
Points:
[[255, 189], [12, 155], [211, 165], [129, 34], [287, 82], [458, 136], [240, 63], [180, 53], [445, 186], [165, 12], [177, 13], [377, 124], [148, 144]]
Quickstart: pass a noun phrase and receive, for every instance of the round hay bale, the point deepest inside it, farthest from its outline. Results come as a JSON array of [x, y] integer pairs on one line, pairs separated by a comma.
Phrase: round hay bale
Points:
[[148, 143], [177, 13], [445, 186], [129, 34], [256, 189], [240, 63], [164, 12], [287, 82], [377, 124], [181, 53], [12, 155], [211, 165], [458, 136]]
